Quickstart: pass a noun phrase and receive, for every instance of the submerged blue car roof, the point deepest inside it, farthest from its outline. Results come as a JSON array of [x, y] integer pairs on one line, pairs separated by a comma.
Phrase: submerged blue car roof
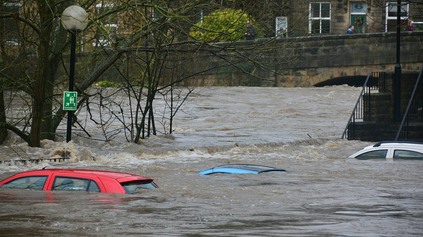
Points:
[[240, 169]]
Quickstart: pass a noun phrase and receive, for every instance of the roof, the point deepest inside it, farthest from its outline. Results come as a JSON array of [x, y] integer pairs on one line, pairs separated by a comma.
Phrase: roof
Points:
[[398, 144], [240, 169], [103, 173], [119, 176], [390, 145]]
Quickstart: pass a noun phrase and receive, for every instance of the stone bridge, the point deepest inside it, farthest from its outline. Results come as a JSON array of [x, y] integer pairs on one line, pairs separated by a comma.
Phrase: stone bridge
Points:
[[306, 61]]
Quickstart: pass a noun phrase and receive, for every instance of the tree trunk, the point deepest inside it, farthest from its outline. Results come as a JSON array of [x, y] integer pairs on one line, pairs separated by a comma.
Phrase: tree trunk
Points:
[[48, 128], [3, 130], [43, 72], [38, 104]]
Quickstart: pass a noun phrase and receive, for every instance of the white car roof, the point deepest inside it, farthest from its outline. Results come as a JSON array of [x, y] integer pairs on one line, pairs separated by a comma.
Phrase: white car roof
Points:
[[413, 146], [396, 144]]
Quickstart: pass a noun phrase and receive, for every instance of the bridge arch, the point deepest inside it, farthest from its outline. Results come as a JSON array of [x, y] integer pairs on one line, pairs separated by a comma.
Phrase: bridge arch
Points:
[[356, 81], [343, 59]]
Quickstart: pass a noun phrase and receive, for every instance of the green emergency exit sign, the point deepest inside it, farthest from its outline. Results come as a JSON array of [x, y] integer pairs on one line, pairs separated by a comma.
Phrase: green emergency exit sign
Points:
[[70, 100]]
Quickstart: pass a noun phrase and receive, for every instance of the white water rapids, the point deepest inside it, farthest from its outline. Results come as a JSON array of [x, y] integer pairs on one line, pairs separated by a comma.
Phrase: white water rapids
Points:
[[298, 129]]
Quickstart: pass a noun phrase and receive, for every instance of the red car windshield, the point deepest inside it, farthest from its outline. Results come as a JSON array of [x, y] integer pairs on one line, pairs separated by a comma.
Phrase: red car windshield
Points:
[[31, 182]]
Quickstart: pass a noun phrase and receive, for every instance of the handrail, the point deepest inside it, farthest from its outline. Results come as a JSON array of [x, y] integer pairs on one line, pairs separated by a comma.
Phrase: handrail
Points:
[[356, 106], [409, 104]]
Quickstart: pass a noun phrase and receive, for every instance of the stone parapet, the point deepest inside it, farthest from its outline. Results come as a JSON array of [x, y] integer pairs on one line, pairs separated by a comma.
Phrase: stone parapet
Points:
[[307, 61]]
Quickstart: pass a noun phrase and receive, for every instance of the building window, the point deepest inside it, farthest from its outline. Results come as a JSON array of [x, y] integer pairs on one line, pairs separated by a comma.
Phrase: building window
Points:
[[107, 25], [391, 10], [10, 24], [319, 18], [358, 16], [391, 14]]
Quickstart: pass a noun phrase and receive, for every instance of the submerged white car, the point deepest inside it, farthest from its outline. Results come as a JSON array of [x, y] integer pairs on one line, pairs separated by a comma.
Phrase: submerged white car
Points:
[[391, 150]]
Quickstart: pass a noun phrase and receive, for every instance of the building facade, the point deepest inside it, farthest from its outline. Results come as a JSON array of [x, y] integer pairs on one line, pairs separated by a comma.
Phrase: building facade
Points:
[[367, 16], [292, 18]]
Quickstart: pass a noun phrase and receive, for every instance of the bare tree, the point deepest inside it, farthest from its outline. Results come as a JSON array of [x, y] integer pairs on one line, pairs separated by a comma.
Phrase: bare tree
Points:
[[145, 56]]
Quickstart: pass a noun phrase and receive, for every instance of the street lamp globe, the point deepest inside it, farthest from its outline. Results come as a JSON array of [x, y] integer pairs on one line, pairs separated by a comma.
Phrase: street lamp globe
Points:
[[74, 18]]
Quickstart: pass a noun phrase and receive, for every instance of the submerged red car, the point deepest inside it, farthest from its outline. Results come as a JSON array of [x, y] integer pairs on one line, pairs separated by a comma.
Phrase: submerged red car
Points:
[[79, 180]]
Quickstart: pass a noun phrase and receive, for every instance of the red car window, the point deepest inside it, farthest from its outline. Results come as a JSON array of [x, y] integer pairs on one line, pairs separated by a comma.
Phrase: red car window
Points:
[[134, 186], [75, 184], [29, 182]]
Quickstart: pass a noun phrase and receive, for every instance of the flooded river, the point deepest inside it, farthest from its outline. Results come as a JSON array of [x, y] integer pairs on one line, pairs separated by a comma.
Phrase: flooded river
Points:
[[298, 129]]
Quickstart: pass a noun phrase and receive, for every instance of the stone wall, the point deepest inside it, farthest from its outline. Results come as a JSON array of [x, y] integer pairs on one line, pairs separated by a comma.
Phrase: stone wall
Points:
[[289, 62], [304, 61]]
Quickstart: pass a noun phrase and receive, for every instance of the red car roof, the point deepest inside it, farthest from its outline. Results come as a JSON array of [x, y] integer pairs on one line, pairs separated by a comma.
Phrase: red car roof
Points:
[[119, 176], [101, 175]]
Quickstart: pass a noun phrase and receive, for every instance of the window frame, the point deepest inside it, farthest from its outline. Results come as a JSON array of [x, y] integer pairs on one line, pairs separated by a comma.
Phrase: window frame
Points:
[[365, 155], [28, 183], [393, 5], [320, 18], [394, 18], [409, 154], [87, 184], [131, 187], [11, 24]]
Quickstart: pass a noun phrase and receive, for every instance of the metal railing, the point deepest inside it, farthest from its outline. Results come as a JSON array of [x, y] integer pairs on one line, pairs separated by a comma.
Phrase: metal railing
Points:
[[358, 111], [362, 108], [405, 118]]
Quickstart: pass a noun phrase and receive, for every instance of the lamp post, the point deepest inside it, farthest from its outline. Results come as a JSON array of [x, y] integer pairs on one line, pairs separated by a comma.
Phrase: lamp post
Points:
[[74, 19], [397, 78]]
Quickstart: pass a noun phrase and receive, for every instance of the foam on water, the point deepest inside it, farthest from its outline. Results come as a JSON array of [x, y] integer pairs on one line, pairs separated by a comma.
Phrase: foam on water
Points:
[[297, 129]]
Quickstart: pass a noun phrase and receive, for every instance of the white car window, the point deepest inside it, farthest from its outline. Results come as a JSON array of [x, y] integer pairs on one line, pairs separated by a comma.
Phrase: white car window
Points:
[[404, 154], [377, 154]]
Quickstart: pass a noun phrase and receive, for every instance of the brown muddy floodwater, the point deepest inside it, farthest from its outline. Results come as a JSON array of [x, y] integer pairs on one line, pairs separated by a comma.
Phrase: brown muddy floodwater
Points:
[[298, 129]]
